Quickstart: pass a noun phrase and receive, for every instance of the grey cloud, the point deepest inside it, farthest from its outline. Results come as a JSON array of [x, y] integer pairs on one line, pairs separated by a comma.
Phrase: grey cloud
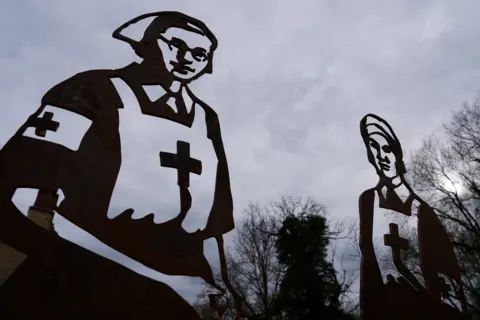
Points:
[[290, 82]]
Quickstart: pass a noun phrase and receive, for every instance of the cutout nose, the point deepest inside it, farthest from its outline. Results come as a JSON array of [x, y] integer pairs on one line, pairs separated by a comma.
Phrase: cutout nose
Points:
[[181, 57], [382, 159]]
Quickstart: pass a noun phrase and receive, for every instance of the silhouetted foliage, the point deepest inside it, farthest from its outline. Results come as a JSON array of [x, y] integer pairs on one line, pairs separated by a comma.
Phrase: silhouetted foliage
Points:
[[310, 288], [253, 262]]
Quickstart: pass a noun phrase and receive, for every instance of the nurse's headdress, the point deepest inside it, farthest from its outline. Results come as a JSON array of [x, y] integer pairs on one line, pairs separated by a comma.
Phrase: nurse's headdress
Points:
[[371, 124], [164, 20]]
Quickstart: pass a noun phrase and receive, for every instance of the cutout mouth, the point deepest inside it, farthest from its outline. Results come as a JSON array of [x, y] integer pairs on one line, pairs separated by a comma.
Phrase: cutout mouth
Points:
[[384, 166], [181, 68]]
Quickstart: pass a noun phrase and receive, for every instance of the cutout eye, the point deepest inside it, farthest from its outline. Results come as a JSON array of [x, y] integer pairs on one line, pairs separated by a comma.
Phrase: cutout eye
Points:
[[178, 43], [374, 144], [199, 54], [387, 149]]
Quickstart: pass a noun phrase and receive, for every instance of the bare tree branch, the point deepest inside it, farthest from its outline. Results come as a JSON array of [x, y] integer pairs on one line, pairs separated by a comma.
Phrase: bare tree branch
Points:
[[446, 171]]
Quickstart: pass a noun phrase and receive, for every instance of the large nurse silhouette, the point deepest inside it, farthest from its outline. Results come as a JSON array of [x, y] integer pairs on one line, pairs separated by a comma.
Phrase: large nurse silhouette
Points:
[[185, 166]]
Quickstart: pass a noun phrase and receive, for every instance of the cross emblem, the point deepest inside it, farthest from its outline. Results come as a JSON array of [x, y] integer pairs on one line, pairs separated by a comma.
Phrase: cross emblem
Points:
[[394, 241], [182, 162], [44, 124]]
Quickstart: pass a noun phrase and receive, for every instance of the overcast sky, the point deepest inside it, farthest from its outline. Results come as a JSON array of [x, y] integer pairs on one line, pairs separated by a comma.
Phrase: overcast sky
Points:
[[291, 81]]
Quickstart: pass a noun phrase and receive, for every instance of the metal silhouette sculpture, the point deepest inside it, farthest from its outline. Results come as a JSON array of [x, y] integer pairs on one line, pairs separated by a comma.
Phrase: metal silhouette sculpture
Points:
[[87, 178], [403, 296]]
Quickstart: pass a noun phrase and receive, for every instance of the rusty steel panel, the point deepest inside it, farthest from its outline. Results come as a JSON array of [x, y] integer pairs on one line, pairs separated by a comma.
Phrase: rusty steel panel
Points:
[[403, 296], [66, 281]]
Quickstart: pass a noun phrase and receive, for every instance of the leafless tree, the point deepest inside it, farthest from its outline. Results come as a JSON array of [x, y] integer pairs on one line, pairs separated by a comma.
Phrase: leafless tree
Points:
[[204, 310], [446, 172], [252, 262]]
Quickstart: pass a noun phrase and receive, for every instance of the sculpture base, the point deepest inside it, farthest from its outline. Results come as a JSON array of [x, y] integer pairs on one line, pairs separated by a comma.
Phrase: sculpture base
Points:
[[401, 301], [70, 282]]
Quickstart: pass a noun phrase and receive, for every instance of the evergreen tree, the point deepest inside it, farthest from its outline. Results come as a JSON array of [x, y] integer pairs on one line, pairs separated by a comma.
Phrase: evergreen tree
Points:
[[310, 288]]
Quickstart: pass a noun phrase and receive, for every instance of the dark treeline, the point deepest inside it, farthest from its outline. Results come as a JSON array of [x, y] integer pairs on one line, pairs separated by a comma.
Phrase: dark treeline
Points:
[[282, 264], [284, 260]]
